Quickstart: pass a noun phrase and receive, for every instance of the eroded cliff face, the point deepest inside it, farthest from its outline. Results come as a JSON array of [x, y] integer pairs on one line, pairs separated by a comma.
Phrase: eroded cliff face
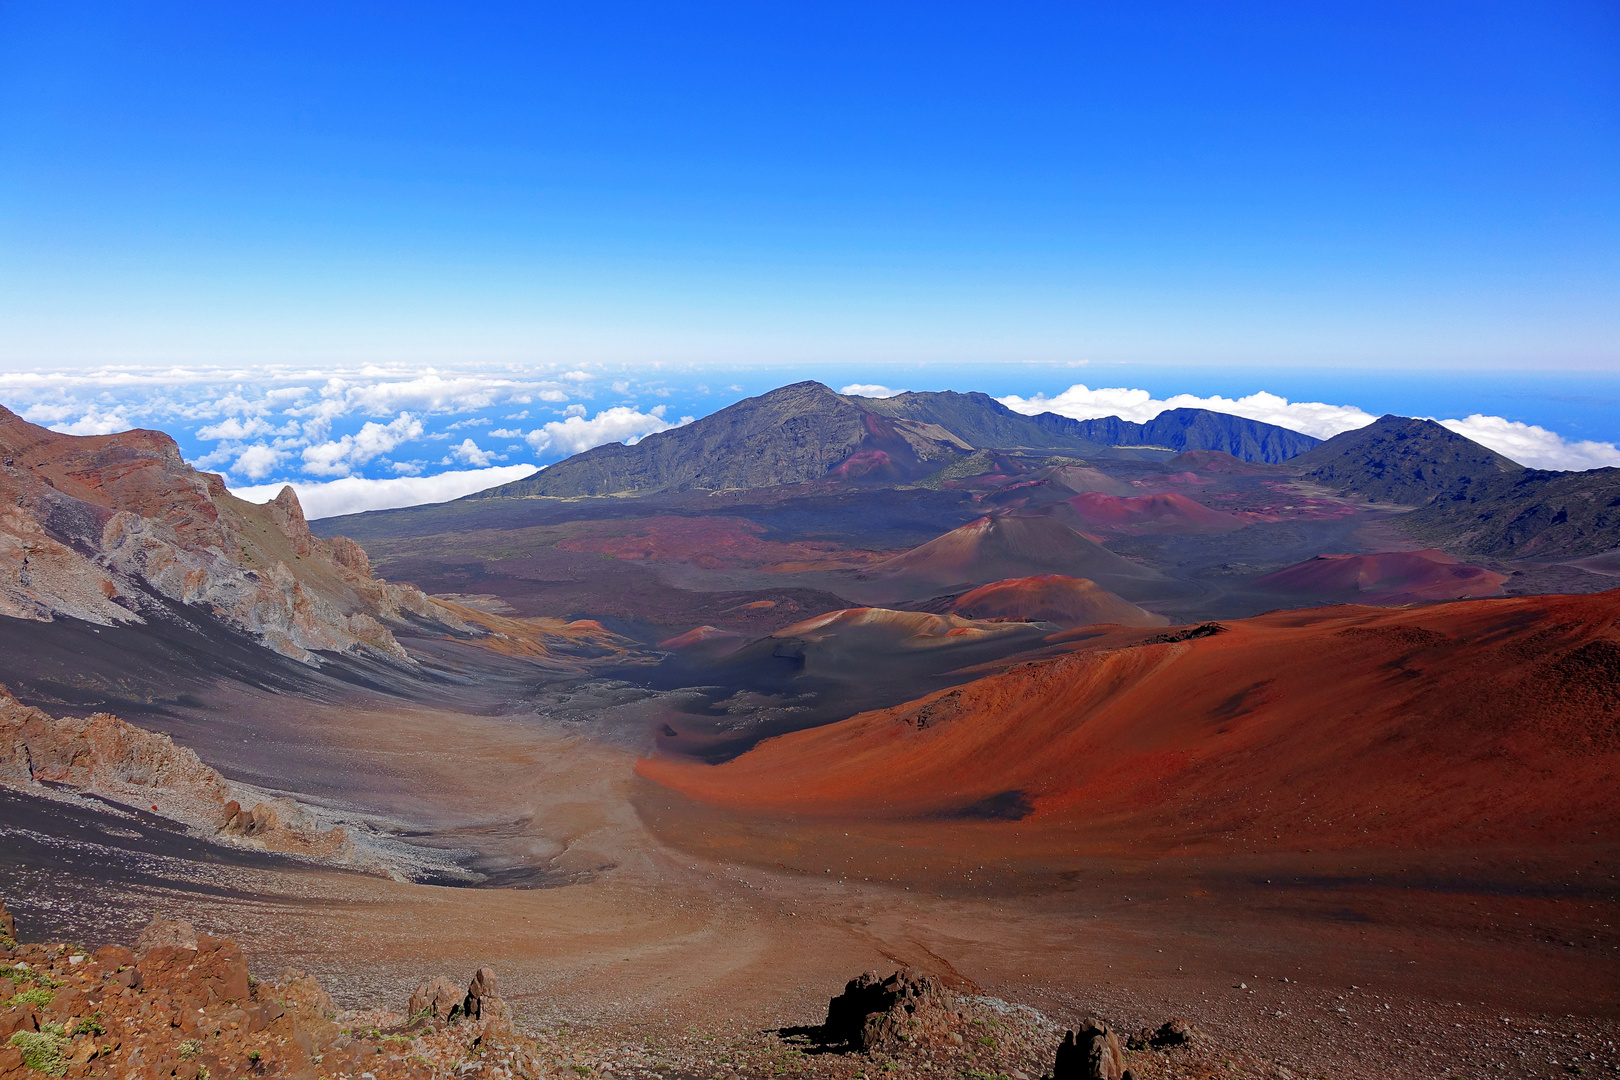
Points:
[[96, 527], [104, 755]]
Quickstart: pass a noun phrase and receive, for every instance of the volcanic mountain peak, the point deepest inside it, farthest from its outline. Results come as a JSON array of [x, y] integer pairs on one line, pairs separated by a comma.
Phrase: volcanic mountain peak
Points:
[[1001, 546], [796, 434], [103, 527], [1402, 460], [805, 432], [1053, 598]]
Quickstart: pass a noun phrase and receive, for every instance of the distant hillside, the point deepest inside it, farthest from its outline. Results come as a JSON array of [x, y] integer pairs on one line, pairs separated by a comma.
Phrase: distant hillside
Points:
[[1190, 429], [1529, 514], [1400, 460], [806, 432]]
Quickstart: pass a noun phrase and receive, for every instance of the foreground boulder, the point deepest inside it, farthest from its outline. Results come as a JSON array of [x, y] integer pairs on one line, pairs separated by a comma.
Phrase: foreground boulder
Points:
[[875, 1014], [1092, 1053]]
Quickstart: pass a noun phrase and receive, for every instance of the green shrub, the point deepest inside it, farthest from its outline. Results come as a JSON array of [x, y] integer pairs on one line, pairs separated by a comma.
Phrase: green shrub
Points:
[[190, 1048], [42, 1049], [37, 996]]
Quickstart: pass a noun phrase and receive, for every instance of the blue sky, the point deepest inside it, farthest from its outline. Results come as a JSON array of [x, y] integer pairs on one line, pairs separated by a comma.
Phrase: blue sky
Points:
[[1206, 198]]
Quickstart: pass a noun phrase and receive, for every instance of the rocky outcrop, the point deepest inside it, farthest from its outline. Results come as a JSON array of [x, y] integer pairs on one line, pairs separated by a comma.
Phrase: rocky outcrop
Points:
[[99, 528], [875, 1014], [1092, 1053], [107, 756], [441, 1001], [183, 1005]]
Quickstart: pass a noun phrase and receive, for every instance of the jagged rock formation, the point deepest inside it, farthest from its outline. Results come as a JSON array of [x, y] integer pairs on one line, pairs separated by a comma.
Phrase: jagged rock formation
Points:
[[1400, 460], [99, 527], [875, 1014], [441, 1001], [1092, 1053], [109, 757]]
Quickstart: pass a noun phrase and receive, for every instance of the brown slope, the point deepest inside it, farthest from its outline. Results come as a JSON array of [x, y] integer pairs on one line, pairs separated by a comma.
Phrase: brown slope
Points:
[[1473, 722], [1001, 546], [1053, 598], [96, 527], [1390, 577]]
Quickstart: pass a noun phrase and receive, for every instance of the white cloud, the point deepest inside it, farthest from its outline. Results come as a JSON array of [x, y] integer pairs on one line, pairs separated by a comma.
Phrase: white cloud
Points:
[[234, 428], [618, 424], [578, 376], [340, 457], [352, 494], [552, 396], [574, 410], [1534, 446], [621, 387], [870, 390], [1082, 403], [469, 454], [506, 433], [258, 461], [97, 421]]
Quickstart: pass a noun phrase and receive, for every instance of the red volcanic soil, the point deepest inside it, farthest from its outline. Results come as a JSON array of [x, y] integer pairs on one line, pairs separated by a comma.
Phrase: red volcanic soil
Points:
[[1003, 546], [1053, 598], [1470, 723], [709, 542], [702, 637], [1145, 514], [1391, 577], [912, 629]]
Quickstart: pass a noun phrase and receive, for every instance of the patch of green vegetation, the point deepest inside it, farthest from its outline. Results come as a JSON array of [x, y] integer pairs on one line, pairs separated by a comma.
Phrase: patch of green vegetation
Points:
[[190, 1049], [20, 974], [986, 1040], [583, 1070], [89, 1025], [37, 996], [253, 1056], [42, 1049]]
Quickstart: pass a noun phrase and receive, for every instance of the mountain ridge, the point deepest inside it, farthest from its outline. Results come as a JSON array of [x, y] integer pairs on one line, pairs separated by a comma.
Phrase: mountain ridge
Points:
[[805, 432]]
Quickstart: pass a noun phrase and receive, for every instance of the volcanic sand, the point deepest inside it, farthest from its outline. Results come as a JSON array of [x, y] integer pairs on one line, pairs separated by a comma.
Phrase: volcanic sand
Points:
[[666, 911]]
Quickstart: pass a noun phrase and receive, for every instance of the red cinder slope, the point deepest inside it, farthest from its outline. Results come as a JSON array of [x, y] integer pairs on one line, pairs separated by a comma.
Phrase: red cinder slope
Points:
[[1053, 598], [1007, 545], [1391, 577], [1147, 514], [1466, 723]]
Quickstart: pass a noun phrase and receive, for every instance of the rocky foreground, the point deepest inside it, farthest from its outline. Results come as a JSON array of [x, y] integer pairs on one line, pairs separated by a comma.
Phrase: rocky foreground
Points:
[[183, 1004]]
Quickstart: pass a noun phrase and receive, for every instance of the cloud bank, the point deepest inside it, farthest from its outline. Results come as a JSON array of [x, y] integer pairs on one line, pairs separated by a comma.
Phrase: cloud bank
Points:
[[1525, 443], [1083, 403], [869, 390], [353, 494]]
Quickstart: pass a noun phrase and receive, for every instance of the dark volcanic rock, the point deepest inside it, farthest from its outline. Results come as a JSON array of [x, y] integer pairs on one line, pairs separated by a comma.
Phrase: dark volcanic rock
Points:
[[1532, 513], [1092, 1053], [1190, 429], [889, 1014], [1400, 460]]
